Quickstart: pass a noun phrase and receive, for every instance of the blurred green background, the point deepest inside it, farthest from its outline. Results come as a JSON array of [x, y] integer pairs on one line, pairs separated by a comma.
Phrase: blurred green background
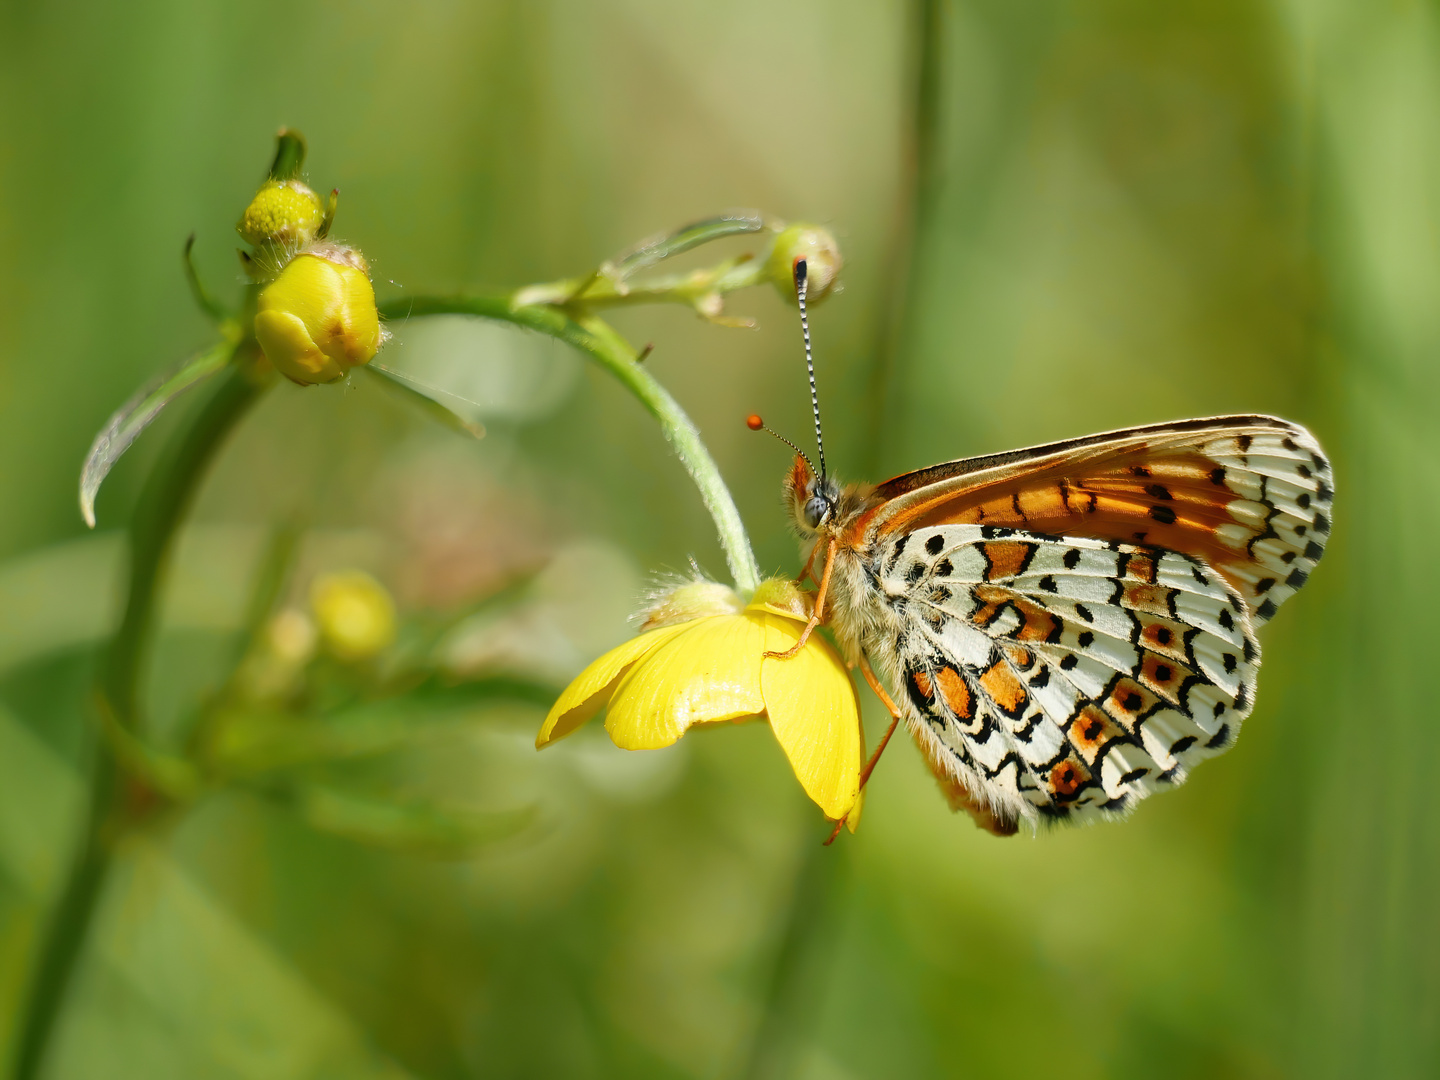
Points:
[[1058, 217]]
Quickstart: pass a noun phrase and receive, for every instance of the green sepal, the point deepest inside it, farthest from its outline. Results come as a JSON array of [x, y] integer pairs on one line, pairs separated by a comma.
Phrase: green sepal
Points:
[[203, 300], [289, 155]]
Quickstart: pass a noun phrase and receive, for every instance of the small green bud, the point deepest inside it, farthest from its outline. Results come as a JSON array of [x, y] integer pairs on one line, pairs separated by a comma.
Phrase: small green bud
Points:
[[317, 320], [821, 253], [283, 212]]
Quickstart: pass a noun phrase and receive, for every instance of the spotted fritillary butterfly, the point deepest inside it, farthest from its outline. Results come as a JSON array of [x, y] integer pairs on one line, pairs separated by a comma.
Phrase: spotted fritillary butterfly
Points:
[[1070, 627]]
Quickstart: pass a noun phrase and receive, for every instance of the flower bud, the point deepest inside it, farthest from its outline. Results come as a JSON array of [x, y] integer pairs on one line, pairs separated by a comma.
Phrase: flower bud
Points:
[[354, 612], [282, 212], [318, 319], [821, 253], [783, 597], [692, 600], [290, 637]]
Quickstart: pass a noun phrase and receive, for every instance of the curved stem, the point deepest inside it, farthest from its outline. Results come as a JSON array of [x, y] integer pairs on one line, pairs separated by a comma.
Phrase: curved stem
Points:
[[602, 343], [114, 802]]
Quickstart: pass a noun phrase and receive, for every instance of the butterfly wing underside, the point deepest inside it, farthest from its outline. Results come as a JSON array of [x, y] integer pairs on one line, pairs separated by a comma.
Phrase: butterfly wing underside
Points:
[[1066, 678], [1248, 495], [1079, 618]]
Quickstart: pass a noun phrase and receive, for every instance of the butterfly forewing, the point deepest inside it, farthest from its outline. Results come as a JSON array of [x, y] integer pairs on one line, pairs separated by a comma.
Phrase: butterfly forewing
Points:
[[1065, 677], [1248, 496]]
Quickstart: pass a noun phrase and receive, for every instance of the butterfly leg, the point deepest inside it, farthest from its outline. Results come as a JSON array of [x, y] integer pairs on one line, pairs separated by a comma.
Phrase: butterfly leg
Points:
[[885, 700], [818, 613], [809, 563]]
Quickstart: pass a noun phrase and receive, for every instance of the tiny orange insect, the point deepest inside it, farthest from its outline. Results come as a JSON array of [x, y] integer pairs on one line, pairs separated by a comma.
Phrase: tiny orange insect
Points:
[[1071, 627]]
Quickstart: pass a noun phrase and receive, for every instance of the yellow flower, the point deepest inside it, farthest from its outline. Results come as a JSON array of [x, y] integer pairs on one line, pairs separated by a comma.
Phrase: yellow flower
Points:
[[700, 659], [355, 614], [318, 319]]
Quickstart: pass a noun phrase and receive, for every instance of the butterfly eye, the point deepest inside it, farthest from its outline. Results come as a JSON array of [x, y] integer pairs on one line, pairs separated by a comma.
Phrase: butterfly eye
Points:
[[817, 509]]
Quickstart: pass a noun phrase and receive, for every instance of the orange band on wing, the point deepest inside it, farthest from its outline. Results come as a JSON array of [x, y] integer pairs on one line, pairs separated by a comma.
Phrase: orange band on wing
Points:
[[1170, 503]]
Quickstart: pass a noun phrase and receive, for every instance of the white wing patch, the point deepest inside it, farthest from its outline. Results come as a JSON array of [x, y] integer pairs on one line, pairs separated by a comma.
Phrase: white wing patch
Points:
[[1063, 678], [1281, 521]]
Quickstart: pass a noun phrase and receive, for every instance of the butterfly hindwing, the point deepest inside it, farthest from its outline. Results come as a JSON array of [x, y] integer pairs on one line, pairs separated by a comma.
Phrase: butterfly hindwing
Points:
[[1064, 677]]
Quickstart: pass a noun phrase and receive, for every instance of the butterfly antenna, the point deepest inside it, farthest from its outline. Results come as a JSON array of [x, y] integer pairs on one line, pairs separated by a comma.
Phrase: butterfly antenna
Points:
[[800, 287], [754, 423]]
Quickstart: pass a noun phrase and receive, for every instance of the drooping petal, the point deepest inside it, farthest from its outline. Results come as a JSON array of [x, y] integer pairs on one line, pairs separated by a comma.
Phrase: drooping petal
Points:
[[709, 671], [591, 689], [852, 819], [814, 713]]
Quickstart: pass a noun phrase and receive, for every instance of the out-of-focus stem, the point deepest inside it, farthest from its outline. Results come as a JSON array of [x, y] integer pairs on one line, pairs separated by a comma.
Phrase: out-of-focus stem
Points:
[[167, 496], [919, 188], [789, 1000], [598, 340]]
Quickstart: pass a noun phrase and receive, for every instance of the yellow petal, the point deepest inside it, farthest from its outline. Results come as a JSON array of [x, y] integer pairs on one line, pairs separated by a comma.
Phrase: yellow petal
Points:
[[815, 715], [591, 689], [709, 671], [852, 819], [286, 341]]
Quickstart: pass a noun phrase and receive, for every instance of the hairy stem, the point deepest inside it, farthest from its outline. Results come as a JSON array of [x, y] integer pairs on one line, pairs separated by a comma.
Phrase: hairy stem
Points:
[[602, 343], [167, 496]]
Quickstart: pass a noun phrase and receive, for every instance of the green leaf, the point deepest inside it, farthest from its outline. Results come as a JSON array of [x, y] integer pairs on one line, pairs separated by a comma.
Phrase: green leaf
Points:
[[430, 399], [413, 826], [650, 251], [125, 426]]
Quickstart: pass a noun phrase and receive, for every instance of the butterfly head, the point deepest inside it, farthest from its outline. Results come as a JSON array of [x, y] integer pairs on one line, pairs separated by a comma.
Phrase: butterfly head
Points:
[[813, 500]]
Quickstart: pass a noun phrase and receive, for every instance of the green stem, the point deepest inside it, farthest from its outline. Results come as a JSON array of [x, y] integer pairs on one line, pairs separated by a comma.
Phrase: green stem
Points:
[[168, 494], [598, 340], [597, 290], [66, 933], [798, 974]]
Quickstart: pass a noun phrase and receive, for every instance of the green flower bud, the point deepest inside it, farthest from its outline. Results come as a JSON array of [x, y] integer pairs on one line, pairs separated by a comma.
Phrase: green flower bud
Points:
[[354, 612], [821, 253], [318, 319], [284, 212]]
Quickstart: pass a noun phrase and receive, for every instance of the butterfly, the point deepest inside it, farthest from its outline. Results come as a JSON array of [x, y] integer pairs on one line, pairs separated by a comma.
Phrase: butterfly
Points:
[[1071, 627]]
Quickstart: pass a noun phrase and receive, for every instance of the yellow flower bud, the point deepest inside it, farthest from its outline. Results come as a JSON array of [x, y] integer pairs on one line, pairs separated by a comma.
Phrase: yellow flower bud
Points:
[[318, 319], [282, 212], [821, 253], [354, 612]]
